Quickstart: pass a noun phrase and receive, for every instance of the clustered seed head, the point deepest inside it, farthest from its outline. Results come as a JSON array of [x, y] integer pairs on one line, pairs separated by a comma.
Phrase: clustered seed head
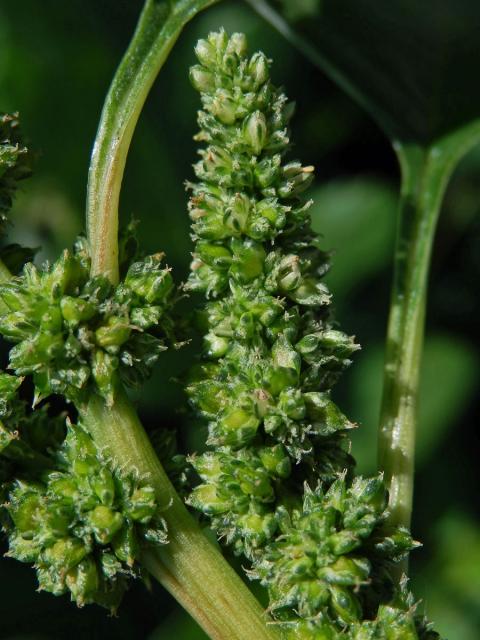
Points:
[[15, 162], [66, 509], [73, 333], [278, 485], [82, 524]]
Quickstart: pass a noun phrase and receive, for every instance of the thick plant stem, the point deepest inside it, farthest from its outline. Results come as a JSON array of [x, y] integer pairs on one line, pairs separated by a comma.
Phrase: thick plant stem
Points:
[[416, 227], [189, 566], [425, 174], [159, 26]]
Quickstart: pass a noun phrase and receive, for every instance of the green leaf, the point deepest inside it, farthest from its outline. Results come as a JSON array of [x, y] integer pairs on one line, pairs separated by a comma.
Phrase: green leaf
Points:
[[356, 217], [449, 365], [412, 65]]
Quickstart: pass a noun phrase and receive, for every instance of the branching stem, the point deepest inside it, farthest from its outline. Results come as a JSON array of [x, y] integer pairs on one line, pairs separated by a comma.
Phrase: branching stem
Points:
[[425, 174]]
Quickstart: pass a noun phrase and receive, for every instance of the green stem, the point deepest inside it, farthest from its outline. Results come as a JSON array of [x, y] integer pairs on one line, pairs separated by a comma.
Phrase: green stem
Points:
[[190, 566], [158, 28], [425, 174]]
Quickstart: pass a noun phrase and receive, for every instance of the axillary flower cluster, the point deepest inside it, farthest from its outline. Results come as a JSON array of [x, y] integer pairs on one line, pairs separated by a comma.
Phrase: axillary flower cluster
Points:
[[278, 482], [67, 508]]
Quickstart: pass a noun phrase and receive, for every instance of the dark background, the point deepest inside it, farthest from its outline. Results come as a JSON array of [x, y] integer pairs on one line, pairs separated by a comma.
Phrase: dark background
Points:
[[56, 62]]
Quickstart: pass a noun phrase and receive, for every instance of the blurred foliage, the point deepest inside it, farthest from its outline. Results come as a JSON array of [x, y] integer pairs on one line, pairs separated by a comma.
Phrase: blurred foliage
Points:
[[55, 65]]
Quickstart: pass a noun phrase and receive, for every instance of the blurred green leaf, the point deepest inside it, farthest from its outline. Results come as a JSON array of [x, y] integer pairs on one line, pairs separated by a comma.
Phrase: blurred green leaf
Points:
[[412, 65], [448, 381], [356, 217], [450, 584]]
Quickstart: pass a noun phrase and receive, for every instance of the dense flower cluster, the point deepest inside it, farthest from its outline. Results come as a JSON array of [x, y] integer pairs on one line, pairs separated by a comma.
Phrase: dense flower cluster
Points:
[[79, 522], [278, 484], [15, 161], [66, 509], [74, 332]]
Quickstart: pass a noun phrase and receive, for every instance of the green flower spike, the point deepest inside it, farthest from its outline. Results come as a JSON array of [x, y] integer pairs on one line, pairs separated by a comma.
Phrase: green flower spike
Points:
[[73, 333], [271, 356]]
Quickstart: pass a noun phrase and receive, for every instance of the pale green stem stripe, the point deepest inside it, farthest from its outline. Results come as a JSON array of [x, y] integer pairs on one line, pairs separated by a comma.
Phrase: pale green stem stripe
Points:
[[159, 26], [425, 174], [189, 566]]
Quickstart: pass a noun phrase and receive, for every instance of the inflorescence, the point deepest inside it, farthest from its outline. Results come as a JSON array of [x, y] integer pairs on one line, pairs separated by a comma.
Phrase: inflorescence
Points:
[[278, 482], [66, 507]]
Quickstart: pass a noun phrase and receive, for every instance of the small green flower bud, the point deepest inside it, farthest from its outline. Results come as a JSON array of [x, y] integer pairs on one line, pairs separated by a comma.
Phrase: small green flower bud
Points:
[[113, 334], [51, 581], [141, 506], [146, 317], [258, 69], [237, 43], [345, 605], [325, 414], [103, 367], [205, 53], [27, 355], [345, 571], [51, 320], [207, 466], [110, 565], [214, 255], [105, 523], [248, 260], [22, 549], [205, 499], [255, 131], [215, 346], [25, 511], [8, 388], [201, 79], [66, 275], [343, 542], [64, 488], [292, 404], [104, 486], [126, 545], [83, 581], [311, 293], [267, 171], [65, 553], [149, 281], [13, 326], [236, 215], [76, 310], [257, 528], [284, 356], [236, 426], [223, 107], [275, 460]]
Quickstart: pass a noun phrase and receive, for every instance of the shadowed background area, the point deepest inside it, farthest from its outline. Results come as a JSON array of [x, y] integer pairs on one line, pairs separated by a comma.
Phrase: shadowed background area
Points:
[[56, 62]]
